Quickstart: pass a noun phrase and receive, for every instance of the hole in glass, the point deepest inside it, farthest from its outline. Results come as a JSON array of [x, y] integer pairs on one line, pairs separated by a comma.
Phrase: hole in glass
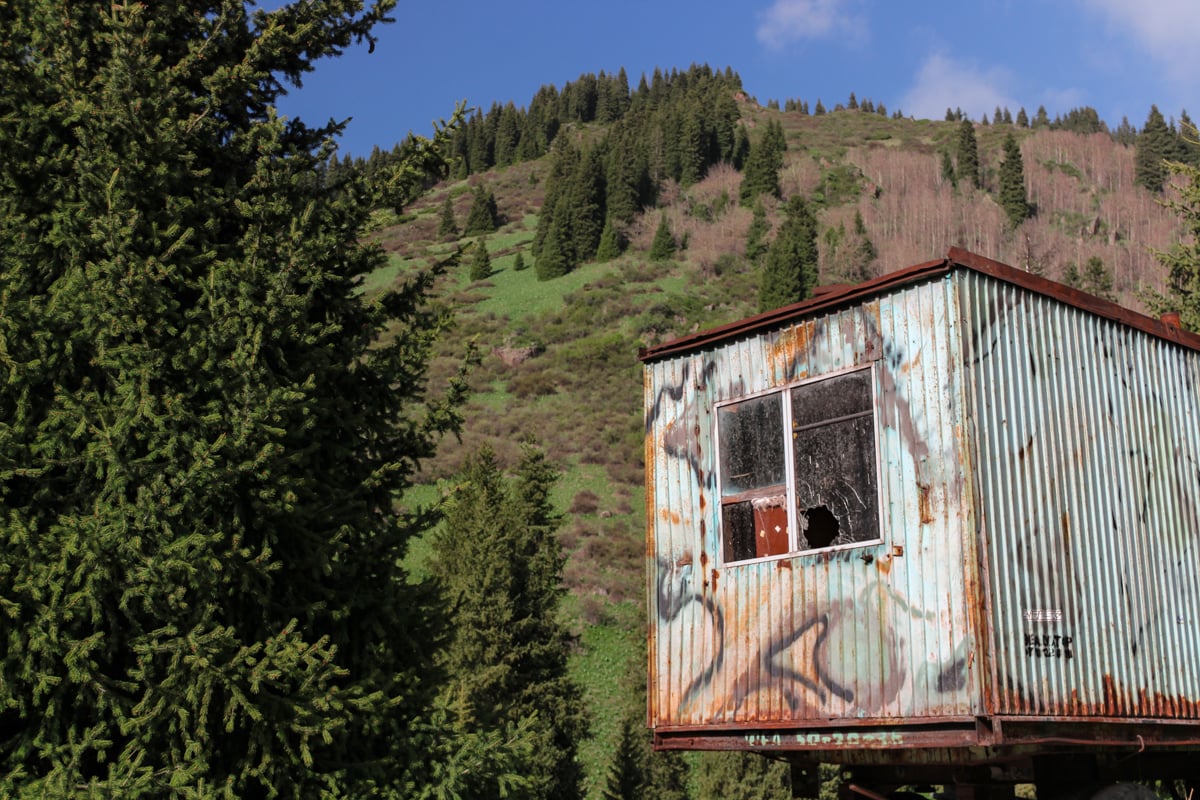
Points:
[[822, 526]]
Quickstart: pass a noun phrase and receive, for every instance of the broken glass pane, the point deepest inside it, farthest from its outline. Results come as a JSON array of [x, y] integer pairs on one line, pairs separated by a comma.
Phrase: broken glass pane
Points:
[[833, 443]]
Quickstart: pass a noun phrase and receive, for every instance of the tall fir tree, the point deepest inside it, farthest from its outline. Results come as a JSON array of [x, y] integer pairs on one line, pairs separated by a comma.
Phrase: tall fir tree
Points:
[[610, 243], [968, 154], [447, 225], [1183, 259], [1013, 197], [205, 425], [500, 564], [484, 217], [1153, 146], [763, 164], [756, 243], [663, 246], [948, 173], [789, 271], [480, 263], [552, 260]]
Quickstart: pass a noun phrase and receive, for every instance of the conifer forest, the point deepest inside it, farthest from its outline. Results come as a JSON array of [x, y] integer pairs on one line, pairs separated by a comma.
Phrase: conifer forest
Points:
[[322, 476]]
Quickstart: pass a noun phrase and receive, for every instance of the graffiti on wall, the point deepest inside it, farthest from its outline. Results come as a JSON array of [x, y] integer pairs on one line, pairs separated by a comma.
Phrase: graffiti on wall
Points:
[[801, 646]]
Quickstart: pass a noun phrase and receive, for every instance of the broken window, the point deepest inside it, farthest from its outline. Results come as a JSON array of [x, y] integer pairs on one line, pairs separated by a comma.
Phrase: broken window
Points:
[[814, 489]]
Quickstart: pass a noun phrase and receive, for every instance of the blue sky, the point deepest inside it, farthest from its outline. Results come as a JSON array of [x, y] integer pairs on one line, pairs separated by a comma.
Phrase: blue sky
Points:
[[1118, 56]]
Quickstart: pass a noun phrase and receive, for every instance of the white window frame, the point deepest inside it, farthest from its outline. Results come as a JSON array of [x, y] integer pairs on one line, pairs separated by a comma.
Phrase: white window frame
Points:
[[789, 459]]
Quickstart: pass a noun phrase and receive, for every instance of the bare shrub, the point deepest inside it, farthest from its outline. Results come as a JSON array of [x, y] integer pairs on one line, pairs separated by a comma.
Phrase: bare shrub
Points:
[[584, 502]]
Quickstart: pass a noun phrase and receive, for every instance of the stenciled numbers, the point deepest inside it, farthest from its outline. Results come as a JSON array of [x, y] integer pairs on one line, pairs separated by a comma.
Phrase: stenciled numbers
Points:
[[1047, 645]]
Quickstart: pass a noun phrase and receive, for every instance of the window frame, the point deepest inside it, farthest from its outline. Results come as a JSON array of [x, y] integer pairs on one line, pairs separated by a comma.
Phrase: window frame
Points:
[[783, 393]]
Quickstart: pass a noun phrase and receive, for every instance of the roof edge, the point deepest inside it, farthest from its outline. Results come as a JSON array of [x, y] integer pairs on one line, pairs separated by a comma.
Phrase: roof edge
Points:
[[836, 296]]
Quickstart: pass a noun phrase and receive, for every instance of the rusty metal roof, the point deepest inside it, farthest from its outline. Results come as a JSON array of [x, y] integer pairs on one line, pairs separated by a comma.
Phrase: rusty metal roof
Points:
[[829, 297]]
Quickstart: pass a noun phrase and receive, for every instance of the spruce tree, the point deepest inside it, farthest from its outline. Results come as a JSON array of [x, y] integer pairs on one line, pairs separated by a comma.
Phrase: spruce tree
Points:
[[756, 235], [663, 246], [1013, 198], [205, 427], [483, 216], [610, 243], [1154, 145], [1097, 279], [724, 775], [1022, 118], [500, 565], [948, 173], [519, 262], [789, 270], [968, 154], [552, 261], [763, 164], [447, 226], [481, 263], [1183, 259]]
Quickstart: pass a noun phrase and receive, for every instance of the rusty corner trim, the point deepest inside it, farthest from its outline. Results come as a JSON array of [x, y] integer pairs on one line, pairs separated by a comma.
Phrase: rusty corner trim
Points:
[[826, 298]]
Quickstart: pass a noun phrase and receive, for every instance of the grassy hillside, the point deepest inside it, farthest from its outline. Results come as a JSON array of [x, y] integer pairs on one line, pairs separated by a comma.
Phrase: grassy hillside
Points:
[[559, 358]]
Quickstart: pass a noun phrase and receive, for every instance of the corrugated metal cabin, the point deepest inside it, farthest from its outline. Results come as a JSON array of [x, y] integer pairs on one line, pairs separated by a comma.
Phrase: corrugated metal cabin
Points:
[[940, 525]]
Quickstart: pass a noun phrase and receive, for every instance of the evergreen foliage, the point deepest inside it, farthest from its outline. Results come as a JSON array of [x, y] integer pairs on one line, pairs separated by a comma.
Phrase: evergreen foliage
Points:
[[480, 263], [1022, 118], [500, 565], [1080, 120], [1154, 145], [948, 173], [968, 154], [626, 775], [743, 775], [756, 243], [789, 270], [1183, 260], [205, 425], [610, 243], [1125, 133], [1013, 198], [663, 246], [1097, 279], [763, 164], [447, 225], [519, 262], [693, 113], [1187, 147], [483, 216]]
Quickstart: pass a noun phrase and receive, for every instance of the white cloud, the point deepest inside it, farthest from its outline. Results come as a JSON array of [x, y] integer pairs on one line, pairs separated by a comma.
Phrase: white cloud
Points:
[[943, 83], [1166, 29], [788, 21]]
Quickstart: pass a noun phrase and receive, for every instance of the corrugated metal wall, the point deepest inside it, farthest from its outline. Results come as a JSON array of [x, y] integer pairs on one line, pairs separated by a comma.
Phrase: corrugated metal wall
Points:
[[877, 632], [1088, 453]]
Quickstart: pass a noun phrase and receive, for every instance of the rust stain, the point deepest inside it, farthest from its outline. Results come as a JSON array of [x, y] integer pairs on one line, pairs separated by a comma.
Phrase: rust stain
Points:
[[925, 504], [783, 563], [669, 515], [791, 342], [715, 575], [884, 564], [1066, 531]]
